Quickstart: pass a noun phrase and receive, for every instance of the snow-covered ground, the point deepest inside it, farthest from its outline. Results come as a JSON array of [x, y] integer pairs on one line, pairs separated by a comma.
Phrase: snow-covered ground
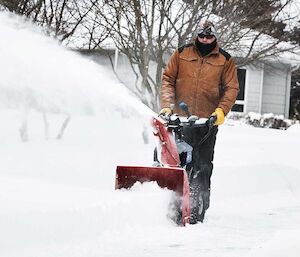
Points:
[[57, 197]]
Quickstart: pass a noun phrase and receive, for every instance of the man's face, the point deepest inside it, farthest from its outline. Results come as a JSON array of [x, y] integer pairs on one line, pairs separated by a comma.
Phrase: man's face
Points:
[[206, 39]]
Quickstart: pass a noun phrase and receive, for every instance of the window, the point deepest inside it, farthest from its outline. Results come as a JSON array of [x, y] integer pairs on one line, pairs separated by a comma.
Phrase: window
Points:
[[240, 101]]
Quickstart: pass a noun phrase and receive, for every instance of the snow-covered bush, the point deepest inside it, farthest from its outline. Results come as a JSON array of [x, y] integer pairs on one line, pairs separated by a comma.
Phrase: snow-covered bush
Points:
[[267, 120]]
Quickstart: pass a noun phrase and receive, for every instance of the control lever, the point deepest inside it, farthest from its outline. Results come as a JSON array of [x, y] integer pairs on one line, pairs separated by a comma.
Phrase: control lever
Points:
[[183, 106]]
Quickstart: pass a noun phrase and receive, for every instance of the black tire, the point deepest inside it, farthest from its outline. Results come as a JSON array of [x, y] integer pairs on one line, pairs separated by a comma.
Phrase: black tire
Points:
[[197, 204]]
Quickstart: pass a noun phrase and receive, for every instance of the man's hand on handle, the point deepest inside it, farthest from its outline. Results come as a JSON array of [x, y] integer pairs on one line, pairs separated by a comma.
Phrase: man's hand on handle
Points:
[[220, 116], [165, 111]]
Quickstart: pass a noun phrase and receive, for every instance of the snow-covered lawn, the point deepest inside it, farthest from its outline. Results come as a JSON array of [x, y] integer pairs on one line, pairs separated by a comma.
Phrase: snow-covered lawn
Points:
[[57, 197]]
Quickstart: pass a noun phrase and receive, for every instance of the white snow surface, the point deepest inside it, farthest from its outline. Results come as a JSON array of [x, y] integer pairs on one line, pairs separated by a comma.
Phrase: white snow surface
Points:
[[57, 197]]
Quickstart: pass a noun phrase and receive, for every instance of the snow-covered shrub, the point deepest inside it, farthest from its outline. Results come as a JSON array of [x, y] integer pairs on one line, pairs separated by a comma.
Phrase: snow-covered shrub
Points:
[[253, 119], [267, 120], [235, 115], [274, 121]]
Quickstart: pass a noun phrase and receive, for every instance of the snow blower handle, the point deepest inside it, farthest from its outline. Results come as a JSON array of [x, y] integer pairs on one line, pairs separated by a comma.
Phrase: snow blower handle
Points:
[[193, 120], [211, 121]]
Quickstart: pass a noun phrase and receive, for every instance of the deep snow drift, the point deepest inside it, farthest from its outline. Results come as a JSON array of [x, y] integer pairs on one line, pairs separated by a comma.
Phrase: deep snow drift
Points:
[[57, 197]]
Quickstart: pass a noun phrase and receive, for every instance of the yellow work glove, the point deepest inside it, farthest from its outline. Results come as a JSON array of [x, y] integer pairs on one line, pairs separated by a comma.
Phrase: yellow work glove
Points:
[[165, 111], [220, 116]]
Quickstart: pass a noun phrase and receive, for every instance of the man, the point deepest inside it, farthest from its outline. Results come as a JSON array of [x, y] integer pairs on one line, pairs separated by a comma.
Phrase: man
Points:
[[204, 76]]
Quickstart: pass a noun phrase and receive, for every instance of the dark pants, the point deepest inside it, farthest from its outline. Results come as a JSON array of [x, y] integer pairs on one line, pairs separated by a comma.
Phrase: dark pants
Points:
[[200, 169]]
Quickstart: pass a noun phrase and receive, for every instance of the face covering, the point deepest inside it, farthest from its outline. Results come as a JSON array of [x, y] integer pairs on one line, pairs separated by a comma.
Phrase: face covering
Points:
[[205, 49]]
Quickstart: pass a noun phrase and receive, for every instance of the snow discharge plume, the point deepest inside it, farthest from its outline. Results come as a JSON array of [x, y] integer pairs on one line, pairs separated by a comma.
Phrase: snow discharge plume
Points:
[[39, 74], [59, 192]]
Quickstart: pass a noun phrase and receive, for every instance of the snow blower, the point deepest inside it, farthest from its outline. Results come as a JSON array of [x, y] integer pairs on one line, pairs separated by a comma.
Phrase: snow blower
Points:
[[170, 160]]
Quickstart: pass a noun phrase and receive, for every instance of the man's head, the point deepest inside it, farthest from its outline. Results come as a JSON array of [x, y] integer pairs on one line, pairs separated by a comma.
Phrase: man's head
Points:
[[206, 32]]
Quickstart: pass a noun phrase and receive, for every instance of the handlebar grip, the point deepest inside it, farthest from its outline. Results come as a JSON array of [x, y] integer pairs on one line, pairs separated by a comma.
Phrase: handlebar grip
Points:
[[211, 121]]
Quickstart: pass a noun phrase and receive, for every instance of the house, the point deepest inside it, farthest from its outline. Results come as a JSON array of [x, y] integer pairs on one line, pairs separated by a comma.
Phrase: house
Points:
[[265, 88]]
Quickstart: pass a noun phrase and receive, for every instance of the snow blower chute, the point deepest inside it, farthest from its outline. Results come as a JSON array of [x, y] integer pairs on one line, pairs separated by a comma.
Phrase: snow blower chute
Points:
[[168, 169]]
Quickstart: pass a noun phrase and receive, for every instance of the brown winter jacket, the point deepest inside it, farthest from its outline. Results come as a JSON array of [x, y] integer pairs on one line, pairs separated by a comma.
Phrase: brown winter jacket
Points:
[[203, 83]]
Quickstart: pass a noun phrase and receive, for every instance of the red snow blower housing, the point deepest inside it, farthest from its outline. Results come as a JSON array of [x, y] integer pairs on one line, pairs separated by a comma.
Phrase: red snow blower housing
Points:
[[170, 161]]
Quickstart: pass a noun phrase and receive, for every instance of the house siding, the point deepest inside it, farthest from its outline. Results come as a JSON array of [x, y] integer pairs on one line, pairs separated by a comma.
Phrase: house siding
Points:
[[275, 89], [253, 87]]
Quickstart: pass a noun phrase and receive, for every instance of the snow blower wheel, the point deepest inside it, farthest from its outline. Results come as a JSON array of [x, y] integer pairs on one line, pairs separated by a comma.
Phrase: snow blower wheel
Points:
[[197, 204]]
